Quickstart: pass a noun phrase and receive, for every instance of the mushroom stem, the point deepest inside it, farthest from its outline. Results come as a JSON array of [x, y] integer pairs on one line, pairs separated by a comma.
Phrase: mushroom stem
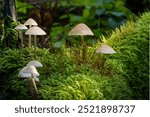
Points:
[[21, 37], [29, 43], [32, 87], [99, 62], [102, 61], [29, 82], [82, 40], [34, 46], [84, 49]]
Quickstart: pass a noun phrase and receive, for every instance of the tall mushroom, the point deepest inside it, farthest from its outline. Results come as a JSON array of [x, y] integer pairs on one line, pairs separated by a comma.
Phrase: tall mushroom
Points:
[[105, 49], [81, 29], [21, 27], [35, 31], [30, 73], [30, 22]]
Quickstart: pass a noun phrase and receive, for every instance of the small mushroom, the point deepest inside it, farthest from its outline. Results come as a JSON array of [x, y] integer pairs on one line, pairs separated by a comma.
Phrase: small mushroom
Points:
[[21, 27], [30, 73], [104, 49], [35, 63], [30, 22], [81, 29], [35, 31]]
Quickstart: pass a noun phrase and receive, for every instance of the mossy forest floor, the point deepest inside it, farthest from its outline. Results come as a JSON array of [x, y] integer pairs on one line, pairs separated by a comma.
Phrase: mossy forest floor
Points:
[[125, 75]]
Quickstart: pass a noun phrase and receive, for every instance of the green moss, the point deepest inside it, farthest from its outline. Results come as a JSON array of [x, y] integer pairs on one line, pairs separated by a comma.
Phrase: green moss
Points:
[[131, 41], [60, 78], [10, 35]]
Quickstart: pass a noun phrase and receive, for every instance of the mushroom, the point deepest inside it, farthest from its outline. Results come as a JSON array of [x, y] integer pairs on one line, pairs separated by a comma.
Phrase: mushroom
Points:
[[21, 27], [35, 31], [81, 29], [35, 63], [30, 22], [104, 49], [30, 73]]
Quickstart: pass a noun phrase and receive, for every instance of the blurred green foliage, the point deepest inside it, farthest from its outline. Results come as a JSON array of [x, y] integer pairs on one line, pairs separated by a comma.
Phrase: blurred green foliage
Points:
[[58, 17], [99, 15], [138, 6]]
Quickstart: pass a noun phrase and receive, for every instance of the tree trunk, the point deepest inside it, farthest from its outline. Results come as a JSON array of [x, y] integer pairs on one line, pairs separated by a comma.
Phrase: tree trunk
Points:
[[9, 10], [10, 17]]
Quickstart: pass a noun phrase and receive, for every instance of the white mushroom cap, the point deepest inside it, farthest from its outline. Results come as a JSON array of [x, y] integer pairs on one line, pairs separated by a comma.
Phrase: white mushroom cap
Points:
[[21, 27], [81, 29], [35, 31], [36, 79], [105, 49], [27, 72], [35, 63], [31, 22]]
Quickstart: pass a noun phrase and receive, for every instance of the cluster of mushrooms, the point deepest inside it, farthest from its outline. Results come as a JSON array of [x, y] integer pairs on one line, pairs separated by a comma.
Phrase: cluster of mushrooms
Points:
[[29, 73], [82, 30], [33, 30]]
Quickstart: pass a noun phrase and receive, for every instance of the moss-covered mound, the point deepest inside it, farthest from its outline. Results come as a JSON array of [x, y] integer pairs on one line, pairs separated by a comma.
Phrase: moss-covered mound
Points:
[[131, 42], [124, 75]]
